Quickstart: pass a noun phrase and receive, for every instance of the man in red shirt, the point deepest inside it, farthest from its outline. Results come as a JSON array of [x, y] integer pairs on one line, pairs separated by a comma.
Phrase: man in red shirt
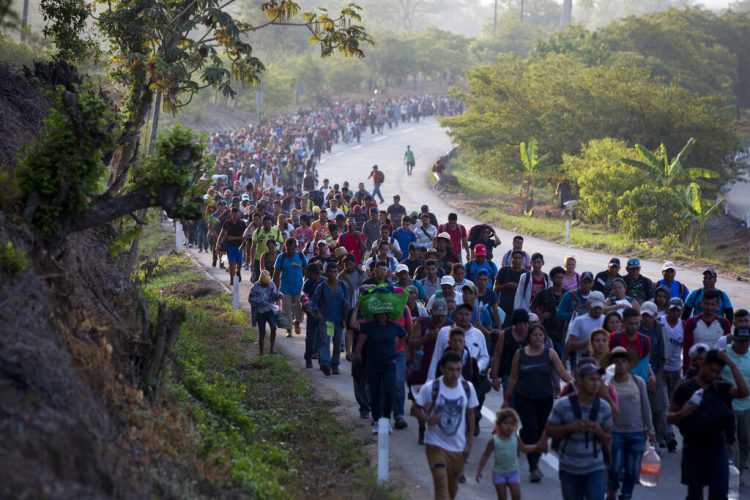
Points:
[[632, 340], [353, 241], [458, 236]]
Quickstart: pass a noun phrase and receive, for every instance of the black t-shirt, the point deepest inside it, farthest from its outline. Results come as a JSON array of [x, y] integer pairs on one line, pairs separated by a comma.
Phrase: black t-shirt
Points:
[[547, 301], [507, 296], [235, 229], [712, 424], [395, 213], [380, 343]]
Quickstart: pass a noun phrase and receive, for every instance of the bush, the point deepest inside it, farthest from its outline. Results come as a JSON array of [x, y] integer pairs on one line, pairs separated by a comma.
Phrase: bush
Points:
[[602, 178], [13, 259], [649, 211]]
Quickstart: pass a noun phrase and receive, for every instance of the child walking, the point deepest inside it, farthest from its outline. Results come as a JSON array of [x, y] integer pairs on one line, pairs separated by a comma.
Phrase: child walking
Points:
[[506, 445]]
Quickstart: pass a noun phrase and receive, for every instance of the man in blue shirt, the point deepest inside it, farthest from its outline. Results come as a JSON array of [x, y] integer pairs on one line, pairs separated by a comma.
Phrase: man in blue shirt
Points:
[[288, 272], [676, 289], [405, 236], [331, 304], [480, 263]]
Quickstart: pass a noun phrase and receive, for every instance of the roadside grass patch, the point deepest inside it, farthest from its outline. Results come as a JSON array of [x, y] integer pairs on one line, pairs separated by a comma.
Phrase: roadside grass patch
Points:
[[258, 422]]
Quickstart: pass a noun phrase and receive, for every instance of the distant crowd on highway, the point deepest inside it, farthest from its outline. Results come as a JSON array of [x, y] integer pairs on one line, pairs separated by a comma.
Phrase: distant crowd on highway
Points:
[[594, 364]]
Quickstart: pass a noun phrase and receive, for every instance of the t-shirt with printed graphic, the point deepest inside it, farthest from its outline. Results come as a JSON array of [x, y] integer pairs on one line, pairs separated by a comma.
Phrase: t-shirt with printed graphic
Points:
[[450, 405]]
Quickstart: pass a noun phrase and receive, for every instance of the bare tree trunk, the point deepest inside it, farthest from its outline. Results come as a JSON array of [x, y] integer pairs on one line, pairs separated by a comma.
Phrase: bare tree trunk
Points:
[[162, 337]]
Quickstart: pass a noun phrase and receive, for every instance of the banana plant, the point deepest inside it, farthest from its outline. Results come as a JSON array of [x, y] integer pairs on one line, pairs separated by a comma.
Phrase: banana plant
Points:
[[531, 161], [700, 210], [669, 173]]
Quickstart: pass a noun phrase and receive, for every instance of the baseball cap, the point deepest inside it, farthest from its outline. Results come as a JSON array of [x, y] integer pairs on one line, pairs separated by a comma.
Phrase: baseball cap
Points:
[[697, 349], [402, 267], [649, 308], [614, 260], [447, 280], [596, 299], [668, 265], [741, 333], [470, 286], [440, 307], [587, 275], [246, 197], [480, 250], [396, 197], [316, 209], [633, 263], [710, 271], [373, 210], [445, 235], [676, 303], [587, 366]]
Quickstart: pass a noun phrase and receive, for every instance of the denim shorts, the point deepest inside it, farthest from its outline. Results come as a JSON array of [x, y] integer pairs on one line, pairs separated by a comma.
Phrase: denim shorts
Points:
[[234, 254], [511, 477]]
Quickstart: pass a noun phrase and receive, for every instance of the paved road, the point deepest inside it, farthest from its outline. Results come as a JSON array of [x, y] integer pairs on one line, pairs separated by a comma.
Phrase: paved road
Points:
[[353, 163]]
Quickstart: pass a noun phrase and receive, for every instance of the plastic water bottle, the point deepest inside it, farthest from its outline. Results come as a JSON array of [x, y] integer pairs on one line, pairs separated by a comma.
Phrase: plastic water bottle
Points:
[[697, 397], [416, 362], [734, 482], [650, 468]]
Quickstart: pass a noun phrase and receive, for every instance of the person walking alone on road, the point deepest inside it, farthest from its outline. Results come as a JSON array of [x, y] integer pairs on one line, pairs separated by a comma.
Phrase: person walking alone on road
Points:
[[409, 160], [378, 177]]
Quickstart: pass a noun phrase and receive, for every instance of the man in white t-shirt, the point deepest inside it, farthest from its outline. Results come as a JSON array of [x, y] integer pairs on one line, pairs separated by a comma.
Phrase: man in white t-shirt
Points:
[[446, 405], [474, 340], [581, 327]]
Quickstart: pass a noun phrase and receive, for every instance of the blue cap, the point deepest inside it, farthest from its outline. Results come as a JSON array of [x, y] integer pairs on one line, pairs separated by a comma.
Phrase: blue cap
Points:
[[634, 263]]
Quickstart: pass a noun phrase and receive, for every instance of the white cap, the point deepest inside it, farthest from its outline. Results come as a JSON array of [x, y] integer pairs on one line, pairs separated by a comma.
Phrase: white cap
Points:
[[402, 267], [447, 280], [649, 308], [668, 265], [445, 235], [596, 299]]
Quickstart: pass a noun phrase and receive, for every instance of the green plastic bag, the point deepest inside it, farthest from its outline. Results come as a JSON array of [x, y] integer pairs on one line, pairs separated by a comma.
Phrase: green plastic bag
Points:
[[383, 298]]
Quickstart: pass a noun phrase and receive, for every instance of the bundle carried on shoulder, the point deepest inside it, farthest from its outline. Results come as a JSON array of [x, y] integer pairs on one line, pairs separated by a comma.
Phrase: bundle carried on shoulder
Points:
[[384, 298]]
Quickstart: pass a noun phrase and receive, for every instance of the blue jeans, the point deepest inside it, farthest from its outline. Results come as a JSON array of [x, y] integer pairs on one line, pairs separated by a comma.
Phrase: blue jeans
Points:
[[359, 376], [582, 486], [400, 389], [312, 340], [202, 235], [381, 379], [326, 357], [627, 450], [376, 192]]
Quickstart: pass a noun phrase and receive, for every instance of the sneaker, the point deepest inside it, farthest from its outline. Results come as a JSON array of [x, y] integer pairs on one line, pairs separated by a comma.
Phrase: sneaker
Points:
[[325, 369], [315, 355], [462, 479], [364, 415], [297, 328], [308, 363], [536, 476], [231, 281], [335, 370], [247, 267], [401, 424], [213, 261], [239, 277], [221, 265], [374, 427], [420, 440]]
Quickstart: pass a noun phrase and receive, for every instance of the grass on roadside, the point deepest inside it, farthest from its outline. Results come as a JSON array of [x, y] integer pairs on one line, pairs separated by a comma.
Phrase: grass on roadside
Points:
[[258, 423], [495, 201]]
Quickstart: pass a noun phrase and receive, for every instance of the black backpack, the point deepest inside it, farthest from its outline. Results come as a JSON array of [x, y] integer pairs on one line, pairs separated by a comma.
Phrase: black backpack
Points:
[[558, 444]]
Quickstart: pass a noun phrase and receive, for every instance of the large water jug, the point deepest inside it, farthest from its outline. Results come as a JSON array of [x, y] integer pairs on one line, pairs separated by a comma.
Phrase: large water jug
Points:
[[650, 468], [734, 482]]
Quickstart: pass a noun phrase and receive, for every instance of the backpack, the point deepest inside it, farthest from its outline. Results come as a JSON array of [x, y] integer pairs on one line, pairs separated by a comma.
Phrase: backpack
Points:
[[558, 444], [436, 391], [302, 259], [641, 337]]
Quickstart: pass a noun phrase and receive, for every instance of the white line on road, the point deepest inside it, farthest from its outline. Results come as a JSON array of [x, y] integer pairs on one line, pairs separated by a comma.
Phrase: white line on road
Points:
[[380, 138], [357, 147], [322, 161], [339, 154], [405, 131]]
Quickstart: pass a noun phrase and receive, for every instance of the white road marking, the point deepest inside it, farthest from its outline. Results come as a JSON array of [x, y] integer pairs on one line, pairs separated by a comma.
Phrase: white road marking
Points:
[[339, 154], [357, 147], [322, 161], [405, 131], [380, 138]]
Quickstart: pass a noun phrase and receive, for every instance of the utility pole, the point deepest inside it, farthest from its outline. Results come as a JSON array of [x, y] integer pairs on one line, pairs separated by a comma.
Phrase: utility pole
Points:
[[25, 18], [155, 122], [494, 21], [523, 5], [566, 15]]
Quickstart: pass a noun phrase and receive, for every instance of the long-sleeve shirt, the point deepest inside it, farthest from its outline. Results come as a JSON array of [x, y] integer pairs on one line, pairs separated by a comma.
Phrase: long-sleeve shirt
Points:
[[475, 343], [570, 302], [333, 306], [262, 297]]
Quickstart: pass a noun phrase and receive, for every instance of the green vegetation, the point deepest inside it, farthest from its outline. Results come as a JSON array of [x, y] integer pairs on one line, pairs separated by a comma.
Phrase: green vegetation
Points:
[[13, 260], [258, 422]]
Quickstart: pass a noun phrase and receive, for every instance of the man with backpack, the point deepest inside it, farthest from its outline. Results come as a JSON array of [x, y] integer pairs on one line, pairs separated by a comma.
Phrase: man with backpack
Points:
[[378, 177], [480, 263], [446, 405], [581, 428], [288, 271], [693, 302]]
